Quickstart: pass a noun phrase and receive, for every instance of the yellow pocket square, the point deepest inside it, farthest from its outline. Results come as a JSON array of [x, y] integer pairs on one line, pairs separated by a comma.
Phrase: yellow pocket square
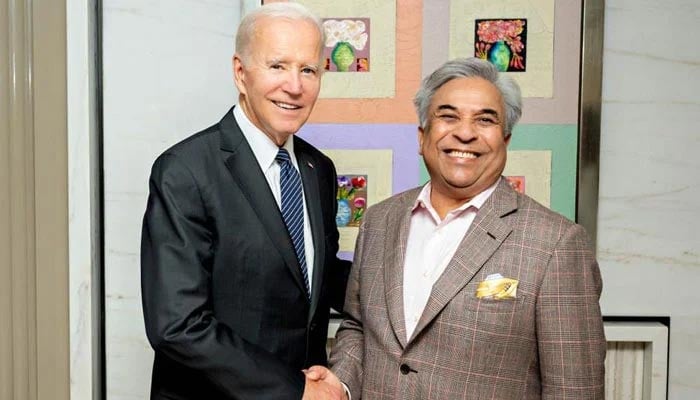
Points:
[[497, 288]]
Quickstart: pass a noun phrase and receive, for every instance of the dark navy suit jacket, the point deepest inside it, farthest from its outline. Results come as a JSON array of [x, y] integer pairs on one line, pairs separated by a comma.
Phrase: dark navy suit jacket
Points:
[[223, 298]]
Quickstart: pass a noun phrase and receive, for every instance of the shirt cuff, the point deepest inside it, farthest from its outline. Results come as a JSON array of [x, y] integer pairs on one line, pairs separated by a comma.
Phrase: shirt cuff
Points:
[[347, 391]]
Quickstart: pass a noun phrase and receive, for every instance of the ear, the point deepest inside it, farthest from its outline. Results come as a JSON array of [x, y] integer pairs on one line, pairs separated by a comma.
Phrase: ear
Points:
[[238, 73], [507, 139], [421, 134]]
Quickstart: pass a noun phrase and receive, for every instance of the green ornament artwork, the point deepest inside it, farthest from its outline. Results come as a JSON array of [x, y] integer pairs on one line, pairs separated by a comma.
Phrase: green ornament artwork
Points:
[[343, 56], [500, 56], [503, 42]]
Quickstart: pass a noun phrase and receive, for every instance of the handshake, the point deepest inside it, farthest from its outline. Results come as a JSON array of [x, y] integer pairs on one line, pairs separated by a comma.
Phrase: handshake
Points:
[[322, 384]]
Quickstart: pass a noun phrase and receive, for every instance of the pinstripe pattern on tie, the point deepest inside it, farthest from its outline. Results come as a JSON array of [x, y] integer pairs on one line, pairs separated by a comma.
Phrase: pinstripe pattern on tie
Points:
[[293, 210]]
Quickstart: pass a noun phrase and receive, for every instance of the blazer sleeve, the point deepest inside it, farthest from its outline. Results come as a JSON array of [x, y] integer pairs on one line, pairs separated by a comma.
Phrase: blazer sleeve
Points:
[[570, 333], [348, 352], [176, 258]]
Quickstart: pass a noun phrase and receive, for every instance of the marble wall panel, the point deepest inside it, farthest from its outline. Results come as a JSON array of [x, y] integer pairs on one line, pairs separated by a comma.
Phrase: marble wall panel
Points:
[[167, 74], [648, 236]]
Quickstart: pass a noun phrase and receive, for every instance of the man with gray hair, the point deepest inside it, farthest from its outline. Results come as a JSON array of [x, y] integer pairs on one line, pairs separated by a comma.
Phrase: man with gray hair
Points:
[[238, 254], [465, 288]]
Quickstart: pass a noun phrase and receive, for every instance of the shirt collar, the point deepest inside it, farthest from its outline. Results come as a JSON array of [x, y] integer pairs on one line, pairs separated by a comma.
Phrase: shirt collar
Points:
[[423, 201], [264, 149]]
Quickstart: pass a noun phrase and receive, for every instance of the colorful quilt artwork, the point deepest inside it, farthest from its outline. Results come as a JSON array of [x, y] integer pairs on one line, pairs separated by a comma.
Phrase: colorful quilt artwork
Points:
[[517, 183], [352, 200], [347, 44], [503, 42]]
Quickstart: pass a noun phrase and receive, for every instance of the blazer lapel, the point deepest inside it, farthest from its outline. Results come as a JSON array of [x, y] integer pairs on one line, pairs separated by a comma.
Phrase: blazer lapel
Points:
[[394, 254], [309, 177], [243, 166], [483, 238]]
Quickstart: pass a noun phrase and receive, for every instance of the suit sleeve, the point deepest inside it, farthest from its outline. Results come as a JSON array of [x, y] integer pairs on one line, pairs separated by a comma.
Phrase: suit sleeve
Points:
[[348, 352], [176, 258], [570, 333]]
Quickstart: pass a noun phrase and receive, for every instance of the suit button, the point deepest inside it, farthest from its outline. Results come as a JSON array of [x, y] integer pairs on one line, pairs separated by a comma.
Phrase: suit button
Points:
[[312, 326], [405, 369]]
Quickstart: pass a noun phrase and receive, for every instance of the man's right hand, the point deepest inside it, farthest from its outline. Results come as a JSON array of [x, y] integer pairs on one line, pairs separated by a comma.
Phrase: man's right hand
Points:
[[322, 384]]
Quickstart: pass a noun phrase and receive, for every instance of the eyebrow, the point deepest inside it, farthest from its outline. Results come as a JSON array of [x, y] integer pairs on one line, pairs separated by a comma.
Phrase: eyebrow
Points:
[[489, 111], [446, 107], [272, 61]]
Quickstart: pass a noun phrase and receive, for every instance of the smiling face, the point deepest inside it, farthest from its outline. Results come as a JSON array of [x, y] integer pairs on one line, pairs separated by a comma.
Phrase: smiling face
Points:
[[280, 78], [463, 144]]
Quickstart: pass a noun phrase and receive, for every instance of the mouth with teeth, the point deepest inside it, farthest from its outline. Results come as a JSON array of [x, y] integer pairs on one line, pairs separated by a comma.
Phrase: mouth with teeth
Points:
[[286, 106], [461, 154]]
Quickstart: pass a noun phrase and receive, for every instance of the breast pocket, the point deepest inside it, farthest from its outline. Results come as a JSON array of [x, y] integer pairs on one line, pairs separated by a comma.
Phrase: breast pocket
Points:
[[503, 306], [500, 318], [467, 321]]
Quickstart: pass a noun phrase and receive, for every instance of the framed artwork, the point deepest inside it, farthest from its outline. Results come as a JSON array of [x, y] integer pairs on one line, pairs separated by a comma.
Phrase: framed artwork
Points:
[[505, 33], [381, 82], [347, 46], [517, 182], [352, 200], [533, 167], [390, 150], [503, 42], [357, 33], [364, 178]]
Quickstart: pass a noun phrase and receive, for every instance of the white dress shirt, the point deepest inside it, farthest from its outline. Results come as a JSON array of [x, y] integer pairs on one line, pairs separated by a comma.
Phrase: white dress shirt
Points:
[[265, 151], [430, 246]]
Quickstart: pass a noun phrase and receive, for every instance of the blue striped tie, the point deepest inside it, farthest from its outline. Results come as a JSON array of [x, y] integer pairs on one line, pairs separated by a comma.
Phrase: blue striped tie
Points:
[[293, 210]]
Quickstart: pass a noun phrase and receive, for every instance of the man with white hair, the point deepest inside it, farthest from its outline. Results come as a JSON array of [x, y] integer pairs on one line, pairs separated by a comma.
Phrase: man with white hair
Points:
[[238, 259]]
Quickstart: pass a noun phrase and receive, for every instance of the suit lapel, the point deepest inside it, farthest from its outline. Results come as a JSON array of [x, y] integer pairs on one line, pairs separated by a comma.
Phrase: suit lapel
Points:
[[309, 177], [243, 166], [483, 238], [394, 253]]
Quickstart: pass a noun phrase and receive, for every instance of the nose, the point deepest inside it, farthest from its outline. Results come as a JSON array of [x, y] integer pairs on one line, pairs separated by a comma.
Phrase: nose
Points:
[[293, 84], [465, 132]]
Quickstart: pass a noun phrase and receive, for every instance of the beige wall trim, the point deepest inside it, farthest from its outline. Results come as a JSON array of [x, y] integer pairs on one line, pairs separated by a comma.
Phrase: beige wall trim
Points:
[[33, 202], [18, 294]]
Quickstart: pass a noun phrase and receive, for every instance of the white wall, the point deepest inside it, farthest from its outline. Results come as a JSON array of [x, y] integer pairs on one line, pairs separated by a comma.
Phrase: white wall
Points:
[[82, 201], [167, 74], [649, 207]]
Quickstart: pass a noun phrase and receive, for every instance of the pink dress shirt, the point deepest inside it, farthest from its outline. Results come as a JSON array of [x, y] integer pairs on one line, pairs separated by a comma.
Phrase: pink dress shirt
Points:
[[431, 244]]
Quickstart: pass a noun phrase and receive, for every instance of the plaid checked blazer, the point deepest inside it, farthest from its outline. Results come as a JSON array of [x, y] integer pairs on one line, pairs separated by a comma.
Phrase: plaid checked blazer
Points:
[[548, 343]]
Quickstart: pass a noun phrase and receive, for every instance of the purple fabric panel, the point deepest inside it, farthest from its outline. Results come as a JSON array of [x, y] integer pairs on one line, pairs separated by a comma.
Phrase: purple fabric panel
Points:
[[401, 138]]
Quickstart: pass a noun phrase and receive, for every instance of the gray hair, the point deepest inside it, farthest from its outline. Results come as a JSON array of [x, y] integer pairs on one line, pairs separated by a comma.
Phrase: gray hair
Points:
[[470, 68], [288, 10]]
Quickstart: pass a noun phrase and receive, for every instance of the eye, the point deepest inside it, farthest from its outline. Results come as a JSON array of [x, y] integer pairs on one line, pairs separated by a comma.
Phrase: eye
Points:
[[447, 117], [276, 66], [486, 120], [308, 71]]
